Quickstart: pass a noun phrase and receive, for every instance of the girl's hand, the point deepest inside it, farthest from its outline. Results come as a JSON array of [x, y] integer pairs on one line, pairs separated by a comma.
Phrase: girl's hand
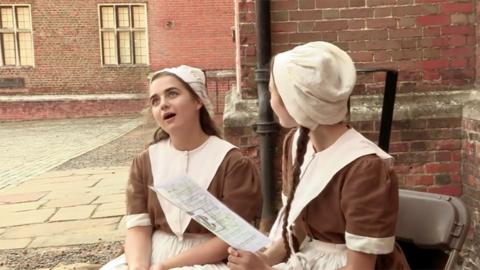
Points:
[[245, 260]]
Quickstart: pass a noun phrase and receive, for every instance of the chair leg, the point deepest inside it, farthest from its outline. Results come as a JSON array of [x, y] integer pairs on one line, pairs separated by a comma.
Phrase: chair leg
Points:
[[451, 260]]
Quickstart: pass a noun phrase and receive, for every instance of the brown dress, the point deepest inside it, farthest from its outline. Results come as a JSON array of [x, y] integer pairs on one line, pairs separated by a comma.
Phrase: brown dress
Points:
[[361, 199], [236, 184]]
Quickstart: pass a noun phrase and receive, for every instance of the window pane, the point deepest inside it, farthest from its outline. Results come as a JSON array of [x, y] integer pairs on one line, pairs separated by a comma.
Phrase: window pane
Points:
[[23, 17], [122, 17], [7, 17], [140, 47], [138, 16], [108, 43], [123, 35], [107, 17], [9, 48], [124, 44], [26, 49]]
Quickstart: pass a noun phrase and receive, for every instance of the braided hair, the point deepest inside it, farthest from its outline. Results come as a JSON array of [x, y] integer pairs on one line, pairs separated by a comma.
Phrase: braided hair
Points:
[[294, 178]]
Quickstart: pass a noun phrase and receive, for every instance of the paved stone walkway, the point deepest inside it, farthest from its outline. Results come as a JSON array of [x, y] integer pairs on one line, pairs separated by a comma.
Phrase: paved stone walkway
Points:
[[42, 208], [30, 148], [62, 208]]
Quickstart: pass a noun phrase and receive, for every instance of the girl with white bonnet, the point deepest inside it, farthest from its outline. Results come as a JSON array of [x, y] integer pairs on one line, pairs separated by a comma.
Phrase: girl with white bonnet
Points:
[[339, 193], [160, 235]]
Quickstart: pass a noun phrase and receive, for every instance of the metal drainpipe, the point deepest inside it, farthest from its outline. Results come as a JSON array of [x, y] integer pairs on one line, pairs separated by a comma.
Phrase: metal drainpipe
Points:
[[266, 127]]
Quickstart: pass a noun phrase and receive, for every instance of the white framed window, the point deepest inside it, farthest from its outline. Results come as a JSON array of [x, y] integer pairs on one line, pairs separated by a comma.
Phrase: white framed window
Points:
[[123, 34], [16, 42]]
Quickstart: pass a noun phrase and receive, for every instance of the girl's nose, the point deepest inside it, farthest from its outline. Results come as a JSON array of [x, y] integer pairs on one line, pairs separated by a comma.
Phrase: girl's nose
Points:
[[164, 104]]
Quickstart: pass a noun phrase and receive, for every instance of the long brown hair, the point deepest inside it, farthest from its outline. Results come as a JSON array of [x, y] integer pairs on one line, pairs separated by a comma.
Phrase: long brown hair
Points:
[[294, 178], [206, 122]]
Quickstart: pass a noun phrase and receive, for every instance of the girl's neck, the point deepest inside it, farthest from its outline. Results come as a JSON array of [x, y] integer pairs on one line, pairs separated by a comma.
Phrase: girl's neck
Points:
[[325, 135], [188, 140]]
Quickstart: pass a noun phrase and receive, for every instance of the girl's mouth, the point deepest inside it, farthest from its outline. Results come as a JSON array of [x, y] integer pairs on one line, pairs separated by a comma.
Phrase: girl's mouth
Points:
[[168, 115]]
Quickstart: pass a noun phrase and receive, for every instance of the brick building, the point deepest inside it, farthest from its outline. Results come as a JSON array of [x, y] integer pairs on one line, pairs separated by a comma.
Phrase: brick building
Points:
[[89, 58], [433, 44]]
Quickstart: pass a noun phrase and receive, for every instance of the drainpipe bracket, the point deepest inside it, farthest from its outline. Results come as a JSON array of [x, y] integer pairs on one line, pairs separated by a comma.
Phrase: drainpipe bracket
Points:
[[262, 75], [266, 127]]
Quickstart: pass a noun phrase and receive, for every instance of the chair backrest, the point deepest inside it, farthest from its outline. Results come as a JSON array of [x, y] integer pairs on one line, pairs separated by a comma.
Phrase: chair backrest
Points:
[[432, 222], [388, 103]]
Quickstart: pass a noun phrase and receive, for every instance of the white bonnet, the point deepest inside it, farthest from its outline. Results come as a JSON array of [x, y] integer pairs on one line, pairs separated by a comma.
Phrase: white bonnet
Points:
[[194, 77], [314, 81]]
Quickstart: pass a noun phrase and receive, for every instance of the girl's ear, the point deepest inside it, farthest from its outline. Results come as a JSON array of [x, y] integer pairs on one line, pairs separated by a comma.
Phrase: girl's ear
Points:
[[199, 104]]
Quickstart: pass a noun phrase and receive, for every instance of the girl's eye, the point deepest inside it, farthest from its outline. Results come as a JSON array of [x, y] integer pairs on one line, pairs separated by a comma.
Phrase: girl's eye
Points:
[[172, 94], [155, 102]]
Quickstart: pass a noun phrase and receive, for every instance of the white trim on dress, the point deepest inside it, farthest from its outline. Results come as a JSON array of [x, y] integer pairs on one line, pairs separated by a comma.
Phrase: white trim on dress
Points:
[[370, 245], [136, 220]]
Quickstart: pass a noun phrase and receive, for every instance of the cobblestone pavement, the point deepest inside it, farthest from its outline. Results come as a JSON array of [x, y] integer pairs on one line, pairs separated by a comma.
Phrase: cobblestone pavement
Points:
[[119, 152], [34, 147]]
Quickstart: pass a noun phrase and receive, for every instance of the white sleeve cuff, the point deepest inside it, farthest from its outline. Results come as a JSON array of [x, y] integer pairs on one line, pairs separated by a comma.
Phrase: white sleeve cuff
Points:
[[370, 245], [138, 220]]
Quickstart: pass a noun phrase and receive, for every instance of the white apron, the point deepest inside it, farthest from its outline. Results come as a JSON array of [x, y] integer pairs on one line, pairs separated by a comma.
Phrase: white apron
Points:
[[166, 245], [316, 172], [201, 164]]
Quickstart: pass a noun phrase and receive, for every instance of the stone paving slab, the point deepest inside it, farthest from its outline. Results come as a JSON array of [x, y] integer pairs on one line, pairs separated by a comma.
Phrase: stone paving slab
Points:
[[74, 213], [26, 217], [51, 229], [71, 200], [89, 237], [22, 197], [120, 197], [64, 208], [14, 243], [109, 210], [30, 148], [18, 207]]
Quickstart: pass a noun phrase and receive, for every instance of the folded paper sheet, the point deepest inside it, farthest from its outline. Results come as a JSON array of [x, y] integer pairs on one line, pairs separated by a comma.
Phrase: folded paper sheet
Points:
[[207, 210]]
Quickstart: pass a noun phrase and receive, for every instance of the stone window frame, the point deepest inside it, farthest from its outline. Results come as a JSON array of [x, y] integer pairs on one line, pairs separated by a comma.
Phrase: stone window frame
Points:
[[123, 49], [20, 46]]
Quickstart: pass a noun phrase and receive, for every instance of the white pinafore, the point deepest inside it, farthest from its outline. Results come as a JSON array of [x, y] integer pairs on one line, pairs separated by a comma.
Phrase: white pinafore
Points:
[[316, 172], [200, 164]]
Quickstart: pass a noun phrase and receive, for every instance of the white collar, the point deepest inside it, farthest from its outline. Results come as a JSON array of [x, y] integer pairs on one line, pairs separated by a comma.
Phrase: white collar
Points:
[[319, 168], [201, 164]]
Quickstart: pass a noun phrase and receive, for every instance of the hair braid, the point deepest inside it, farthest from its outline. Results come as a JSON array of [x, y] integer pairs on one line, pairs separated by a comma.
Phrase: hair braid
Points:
[[295, 178]]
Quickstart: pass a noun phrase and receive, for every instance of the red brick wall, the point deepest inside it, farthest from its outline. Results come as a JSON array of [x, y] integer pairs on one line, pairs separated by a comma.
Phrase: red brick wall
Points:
[[68, 59], [217, 91], [430, 42], [427, 152], [196, 32], [67, 47], [247, 47], [67, 52]]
